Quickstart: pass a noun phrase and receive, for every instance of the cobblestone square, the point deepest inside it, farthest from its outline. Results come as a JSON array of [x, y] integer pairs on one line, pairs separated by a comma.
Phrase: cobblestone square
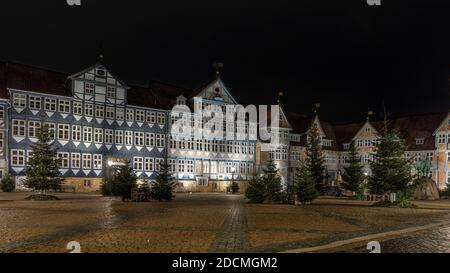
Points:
[[192, 223]]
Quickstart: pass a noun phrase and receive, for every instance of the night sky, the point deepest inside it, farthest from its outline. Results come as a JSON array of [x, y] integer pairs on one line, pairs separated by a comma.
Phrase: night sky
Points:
[[347, 55]]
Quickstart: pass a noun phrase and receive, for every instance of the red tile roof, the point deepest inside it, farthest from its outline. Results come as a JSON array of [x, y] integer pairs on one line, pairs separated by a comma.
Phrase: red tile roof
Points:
[[25, 77]]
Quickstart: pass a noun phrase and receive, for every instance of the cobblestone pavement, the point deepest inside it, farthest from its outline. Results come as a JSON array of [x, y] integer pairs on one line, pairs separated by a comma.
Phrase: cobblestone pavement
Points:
[[429, 241], [191, 223]]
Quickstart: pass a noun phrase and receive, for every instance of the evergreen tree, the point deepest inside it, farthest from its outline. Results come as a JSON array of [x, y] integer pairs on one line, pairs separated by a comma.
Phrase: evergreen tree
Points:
[[391, 172], [234, 187], [314, 158], [272, 183], [305, 186], [43, 170], [124, 182], [353, 175], [7, 184], [163, 188], [256, 191]]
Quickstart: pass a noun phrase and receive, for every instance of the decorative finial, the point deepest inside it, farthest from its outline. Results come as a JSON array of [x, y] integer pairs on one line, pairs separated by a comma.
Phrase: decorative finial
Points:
[[100, 52], [280, 95], [317, 107], [369, 114], [218, 66]]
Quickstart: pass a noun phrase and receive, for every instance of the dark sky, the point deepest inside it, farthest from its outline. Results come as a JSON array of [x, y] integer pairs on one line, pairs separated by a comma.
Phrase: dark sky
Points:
[[346, 54]]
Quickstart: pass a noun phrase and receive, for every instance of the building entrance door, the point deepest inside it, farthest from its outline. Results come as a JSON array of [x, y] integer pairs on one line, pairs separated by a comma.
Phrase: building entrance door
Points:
[[214, 186]]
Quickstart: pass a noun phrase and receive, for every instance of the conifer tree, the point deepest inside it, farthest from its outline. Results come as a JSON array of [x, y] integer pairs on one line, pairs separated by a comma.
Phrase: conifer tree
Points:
[[353, 175], [391, 172], [43, 170], [272, 183], [314, 158], [256, 191], [163, 188], [305, 187], [124, 181]]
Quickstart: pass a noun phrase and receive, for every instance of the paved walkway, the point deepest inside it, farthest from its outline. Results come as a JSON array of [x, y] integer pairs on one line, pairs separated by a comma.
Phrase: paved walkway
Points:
[[195, 223], [233, 235]]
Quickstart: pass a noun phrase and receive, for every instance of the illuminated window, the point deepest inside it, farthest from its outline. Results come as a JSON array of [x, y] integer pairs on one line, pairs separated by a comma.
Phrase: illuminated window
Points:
[[161, 118], [77, 108], [111, 92], [138, 163], [50, 105], [76, 132], [87, 134], [120, 114], [149, 164], [160, 140], [149, 139], [140, 115], [17, 157], [98, 135], [34, 103], [87, 161], [63, 159], [18, 128], [99, 111], [119, 137], [151, 117], [64, 106], [128, 138], [98, 161], [130, 114], [63, 131], [110, 112], [139, 138], [75, 160], [89, 88], [33, 126], [89, 110], [109, 136], [19, 100]]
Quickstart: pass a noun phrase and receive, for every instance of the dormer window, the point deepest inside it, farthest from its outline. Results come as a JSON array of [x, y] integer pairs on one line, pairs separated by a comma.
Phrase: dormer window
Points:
[[181, 100], [346, 146], [368, 129], [420, 141], [101, 72]]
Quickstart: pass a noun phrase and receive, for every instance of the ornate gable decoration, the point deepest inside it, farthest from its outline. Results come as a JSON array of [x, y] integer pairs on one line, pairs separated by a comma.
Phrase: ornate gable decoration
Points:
[[217, 91], [97, 84]]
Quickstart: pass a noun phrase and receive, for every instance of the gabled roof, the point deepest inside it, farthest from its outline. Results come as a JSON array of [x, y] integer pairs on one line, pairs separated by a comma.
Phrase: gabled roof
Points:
[[205, 86], [346, 132], [417, 126], [101, 64], [25, 77], [410, 128]]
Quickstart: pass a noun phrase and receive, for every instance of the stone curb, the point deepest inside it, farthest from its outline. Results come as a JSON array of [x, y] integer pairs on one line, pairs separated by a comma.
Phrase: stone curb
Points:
[[367, 238]]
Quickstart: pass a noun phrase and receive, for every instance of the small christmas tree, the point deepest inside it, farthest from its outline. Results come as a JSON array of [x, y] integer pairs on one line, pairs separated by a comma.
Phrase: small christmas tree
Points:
[[7, 184], [234, 187], [353, 175], [314, 158], [272, 183], [391, 172], [43, 170], [163, 188], [305, 186], [256, 191], [124, 182]]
